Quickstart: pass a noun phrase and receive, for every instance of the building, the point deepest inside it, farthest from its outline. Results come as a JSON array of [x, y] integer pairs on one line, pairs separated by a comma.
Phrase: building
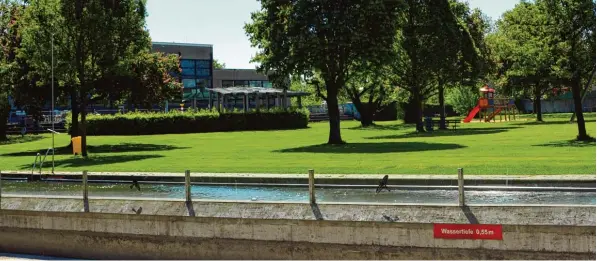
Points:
[[198, 74]]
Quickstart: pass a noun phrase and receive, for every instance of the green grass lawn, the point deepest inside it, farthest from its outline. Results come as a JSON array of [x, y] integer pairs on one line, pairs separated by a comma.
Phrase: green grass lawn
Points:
[[480, 148]]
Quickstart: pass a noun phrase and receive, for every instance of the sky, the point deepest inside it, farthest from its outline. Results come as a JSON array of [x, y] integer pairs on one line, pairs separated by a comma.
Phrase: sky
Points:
[[220, 23]]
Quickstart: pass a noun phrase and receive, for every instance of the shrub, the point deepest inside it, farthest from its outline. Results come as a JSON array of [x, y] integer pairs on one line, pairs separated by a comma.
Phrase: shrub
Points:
[[463, 99], [147, 123]]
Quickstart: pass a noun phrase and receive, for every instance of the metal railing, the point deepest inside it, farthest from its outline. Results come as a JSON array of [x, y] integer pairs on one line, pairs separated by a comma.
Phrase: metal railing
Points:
[[42, 160]]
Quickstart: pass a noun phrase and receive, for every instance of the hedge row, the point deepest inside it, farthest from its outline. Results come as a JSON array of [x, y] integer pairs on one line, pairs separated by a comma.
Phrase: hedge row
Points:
[[146, 123]]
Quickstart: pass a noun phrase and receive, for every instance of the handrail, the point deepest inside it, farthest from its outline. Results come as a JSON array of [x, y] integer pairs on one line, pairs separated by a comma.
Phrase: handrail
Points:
[[44, 159], [35, 162]]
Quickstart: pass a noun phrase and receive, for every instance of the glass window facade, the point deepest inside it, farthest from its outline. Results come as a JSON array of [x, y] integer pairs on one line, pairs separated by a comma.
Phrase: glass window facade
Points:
[[196, 73], [241, 83], [255, 84]]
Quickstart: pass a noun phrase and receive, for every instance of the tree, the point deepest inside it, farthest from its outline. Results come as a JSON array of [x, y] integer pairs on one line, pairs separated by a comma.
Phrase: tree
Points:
[[94, 40], [14, 80], [369, 89], [218, 65], [572, 34], [432, 40], [325, 37], [521, 47], [465, 56], [149, 80]]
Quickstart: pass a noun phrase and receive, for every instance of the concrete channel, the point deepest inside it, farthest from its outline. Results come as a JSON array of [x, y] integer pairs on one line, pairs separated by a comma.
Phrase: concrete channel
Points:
[[145, 228]]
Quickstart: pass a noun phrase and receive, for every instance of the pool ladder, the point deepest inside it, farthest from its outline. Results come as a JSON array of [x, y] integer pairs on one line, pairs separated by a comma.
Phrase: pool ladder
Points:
[[41, 160]]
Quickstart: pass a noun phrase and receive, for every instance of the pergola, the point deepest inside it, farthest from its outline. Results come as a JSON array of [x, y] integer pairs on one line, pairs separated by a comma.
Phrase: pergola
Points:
[[220, 97]]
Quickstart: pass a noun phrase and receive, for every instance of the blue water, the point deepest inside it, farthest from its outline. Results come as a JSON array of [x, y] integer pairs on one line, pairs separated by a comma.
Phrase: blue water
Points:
[[269, 193]]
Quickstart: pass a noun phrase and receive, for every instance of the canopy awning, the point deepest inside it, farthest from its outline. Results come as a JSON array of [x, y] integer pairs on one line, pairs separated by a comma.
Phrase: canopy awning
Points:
[[256, 90]]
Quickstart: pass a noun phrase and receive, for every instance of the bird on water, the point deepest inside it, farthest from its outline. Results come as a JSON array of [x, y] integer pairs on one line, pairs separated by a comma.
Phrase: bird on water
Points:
[[383, 184], [136, 185]]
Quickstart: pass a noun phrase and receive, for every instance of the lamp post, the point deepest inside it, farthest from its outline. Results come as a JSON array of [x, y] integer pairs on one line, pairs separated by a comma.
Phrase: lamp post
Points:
[[52, 113]]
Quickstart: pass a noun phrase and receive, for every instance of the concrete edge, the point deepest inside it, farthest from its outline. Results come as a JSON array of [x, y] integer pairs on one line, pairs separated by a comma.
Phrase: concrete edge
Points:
[[554, 177]]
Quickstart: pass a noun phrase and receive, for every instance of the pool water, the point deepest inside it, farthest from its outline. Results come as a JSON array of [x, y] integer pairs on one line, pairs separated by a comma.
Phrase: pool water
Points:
[[275, 193]]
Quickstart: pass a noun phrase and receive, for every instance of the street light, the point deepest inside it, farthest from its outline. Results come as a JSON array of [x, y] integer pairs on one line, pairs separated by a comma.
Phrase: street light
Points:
[[52, 113]]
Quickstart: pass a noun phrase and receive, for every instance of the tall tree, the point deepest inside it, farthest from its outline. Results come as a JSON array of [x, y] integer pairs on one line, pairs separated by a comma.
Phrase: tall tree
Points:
[[94, 39], [521, 46], [9, 41], [430, 28], [572, 29], [327, 37]]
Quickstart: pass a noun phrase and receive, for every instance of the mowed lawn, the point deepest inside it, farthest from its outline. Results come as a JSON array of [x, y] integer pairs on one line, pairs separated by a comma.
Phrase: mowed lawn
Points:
[[390, 148]]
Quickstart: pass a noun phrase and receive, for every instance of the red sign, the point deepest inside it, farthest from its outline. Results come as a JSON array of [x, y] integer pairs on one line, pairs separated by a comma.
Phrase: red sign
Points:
[[467, 231]]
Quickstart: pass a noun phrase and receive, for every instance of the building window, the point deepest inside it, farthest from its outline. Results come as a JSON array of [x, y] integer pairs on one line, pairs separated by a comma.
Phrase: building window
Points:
[[188, 72], [203, 64], [227, 83], [203, 72], [255, 84], [189, 83], [267, 84], [241, 83], [186, 63], [203, 83]]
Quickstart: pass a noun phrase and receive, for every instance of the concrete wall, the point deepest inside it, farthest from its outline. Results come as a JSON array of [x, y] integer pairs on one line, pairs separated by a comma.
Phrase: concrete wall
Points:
[[228, 230]]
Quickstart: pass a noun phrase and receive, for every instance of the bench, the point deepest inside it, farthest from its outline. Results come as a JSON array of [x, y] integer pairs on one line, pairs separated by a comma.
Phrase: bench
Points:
[[449, 123]]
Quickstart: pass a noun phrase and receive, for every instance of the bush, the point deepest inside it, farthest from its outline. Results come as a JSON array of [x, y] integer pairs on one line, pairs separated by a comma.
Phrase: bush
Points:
[[147, 123], [463, 99]]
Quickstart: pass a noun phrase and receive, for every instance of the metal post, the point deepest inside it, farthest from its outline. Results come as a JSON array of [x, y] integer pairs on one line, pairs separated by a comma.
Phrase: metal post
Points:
[[0, 189], [461, 187], [187, 185], [85, 189], [53, 104], [312, 186]]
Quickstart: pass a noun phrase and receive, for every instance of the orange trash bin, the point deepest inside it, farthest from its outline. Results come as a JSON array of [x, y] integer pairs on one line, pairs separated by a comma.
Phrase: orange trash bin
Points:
[[77, 145]]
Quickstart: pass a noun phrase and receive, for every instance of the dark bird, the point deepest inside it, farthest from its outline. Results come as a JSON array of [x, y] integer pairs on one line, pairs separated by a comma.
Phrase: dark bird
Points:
[[136, 185], [388, 218], [383, 184], [137, 211]]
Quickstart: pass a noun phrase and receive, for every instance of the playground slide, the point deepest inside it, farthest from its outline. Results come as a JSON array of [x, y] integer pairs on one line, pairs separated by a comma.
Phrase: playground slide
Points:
[[493, 114], [472, 114]]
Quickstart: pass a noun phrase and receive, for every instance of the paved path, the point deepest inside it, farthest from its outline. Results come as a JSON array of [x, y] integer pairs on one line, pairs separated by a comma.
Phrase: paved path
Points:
[[571, 177]]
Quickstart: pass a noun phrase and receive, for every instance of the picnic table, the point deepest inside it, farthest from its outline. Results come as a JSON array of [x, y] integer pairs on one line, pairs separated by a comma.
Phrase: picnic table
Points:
[[449, 123]]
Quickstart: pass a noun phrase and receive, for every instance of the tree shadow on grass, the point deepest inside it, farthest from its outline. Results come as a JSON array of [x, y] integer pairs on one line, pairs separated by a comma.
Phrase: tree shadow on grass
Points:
[[377, 147], [445, 133], [549, 122], [94, 161], [569, 143], [384, 127], [14, 139], [115, 148]]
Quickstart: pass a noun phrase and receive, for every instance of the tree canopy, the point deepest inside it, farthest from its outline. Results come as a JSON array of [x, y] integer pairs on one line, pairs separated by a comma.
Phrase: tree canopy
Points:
[[325, 37]]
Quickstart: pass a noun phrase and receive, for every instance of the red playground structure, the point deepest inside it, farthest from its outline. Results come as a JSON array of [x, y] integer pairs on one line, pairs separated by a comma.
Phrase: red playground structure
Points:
[[488, 107]]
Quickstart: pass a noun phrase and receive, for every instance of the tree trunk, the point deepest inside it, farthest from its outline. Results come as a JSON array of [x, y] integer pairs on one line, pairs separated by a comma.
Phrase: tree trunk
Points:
[[442, 108], [74, 105], [537, 103], [334, 115], [365, 110], [582, 131], [418, 106], [4, 113], [83, 129]]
